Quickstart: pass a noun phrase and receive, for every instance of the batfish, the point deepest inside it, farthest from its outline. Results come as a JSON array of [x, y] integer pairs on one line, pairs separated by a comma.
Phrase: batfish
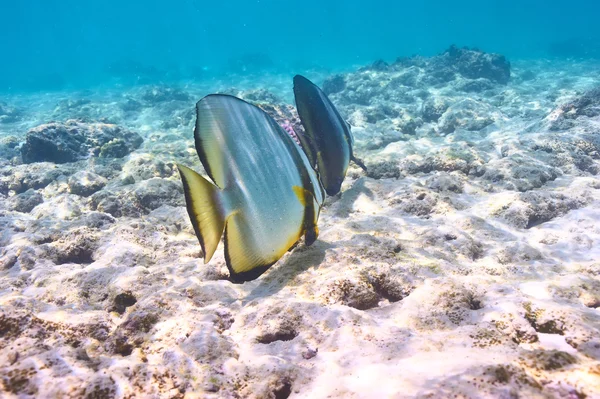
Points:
[[327, 138], [264, 193]]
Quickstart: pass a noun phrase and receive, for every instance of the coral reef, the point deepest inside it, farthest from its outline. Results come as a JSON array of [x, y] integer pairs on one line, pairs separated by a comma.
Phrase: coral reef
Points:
[[464, 264]]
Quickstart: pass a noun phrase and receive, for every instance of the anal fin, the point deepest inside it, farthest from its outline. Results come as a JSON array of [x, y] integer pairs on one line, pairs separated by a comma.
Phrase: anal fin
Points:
[[243, 258]]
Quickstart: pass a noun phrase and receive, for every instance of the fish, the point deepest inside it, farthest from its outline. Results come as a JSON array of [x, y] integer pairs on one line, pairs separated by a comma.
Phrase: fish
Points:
[[327, 139], [263, 195]]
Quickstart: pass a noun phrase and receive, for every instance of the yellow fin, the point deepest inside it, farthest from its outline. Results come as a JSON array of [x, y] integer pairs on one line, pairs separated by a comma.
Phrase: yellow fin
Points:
[[246, 258], [309, 225], [300, 193], [204, 208]]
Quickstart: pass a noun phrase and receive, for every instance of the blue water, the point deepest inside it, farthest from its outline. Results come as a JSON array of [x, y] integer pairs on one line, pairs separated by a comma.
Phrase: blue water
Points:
[[56, 44]]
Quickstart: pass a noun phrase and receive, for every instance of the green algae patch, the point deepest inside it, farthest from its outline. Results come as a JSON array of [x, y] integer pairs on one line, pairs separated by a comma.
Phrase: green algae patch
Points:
[[535, 318], [504, 374], [548, 360]]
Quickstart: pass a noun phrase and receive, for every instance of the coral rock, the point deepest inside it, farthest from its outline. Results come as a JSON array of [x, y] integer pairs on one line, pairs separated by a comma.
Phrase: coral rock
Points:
[[74, 140], [86, 183]]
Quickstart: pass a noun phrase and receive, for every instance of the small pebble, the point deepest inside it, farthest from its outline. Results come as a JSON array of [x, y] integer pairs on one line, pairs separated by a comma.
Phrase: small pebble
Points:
[[309, 353], [12, 356]]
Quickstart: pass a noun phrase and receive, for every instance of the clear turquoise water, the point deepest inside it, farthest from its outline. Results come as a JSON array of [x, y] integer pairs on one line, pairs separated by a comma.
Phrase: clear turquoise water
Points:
[[52, 44]]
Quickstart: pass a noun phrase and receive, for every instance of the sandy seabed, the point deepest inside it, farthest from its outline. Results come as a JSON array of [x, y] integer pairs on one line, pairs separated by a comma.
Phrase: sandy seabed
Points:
[[464, 264]]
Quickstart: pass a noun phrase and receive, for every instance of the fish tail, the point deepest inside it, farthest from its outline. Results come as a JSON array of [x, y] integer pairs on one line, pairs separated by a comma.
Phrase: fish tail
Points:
[[205, 207]]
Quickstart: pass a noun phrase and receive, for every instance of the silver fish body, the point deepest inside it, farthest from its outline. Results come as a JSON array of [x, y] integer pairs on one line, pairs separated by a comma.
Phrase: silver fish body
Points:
[[265, 194]]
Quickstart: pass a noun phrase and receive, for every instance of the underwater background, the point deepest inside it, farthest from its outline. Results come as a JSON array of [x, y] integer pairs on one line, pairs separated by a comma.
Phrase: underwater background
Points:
[[49, 45], [464, 262]]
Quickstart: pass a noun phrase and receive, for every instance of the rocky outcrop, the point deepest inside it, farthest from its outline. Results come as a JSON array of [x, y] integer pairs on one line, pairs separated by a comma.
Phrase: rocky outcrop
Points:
[[475, 64], [74, 140], [586, 105]]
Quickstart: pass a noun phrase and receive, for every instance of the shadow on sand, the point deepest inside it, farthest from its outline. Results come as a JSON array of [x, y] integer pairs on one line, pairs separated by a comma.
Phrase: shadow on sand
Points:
[[300, 260]]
